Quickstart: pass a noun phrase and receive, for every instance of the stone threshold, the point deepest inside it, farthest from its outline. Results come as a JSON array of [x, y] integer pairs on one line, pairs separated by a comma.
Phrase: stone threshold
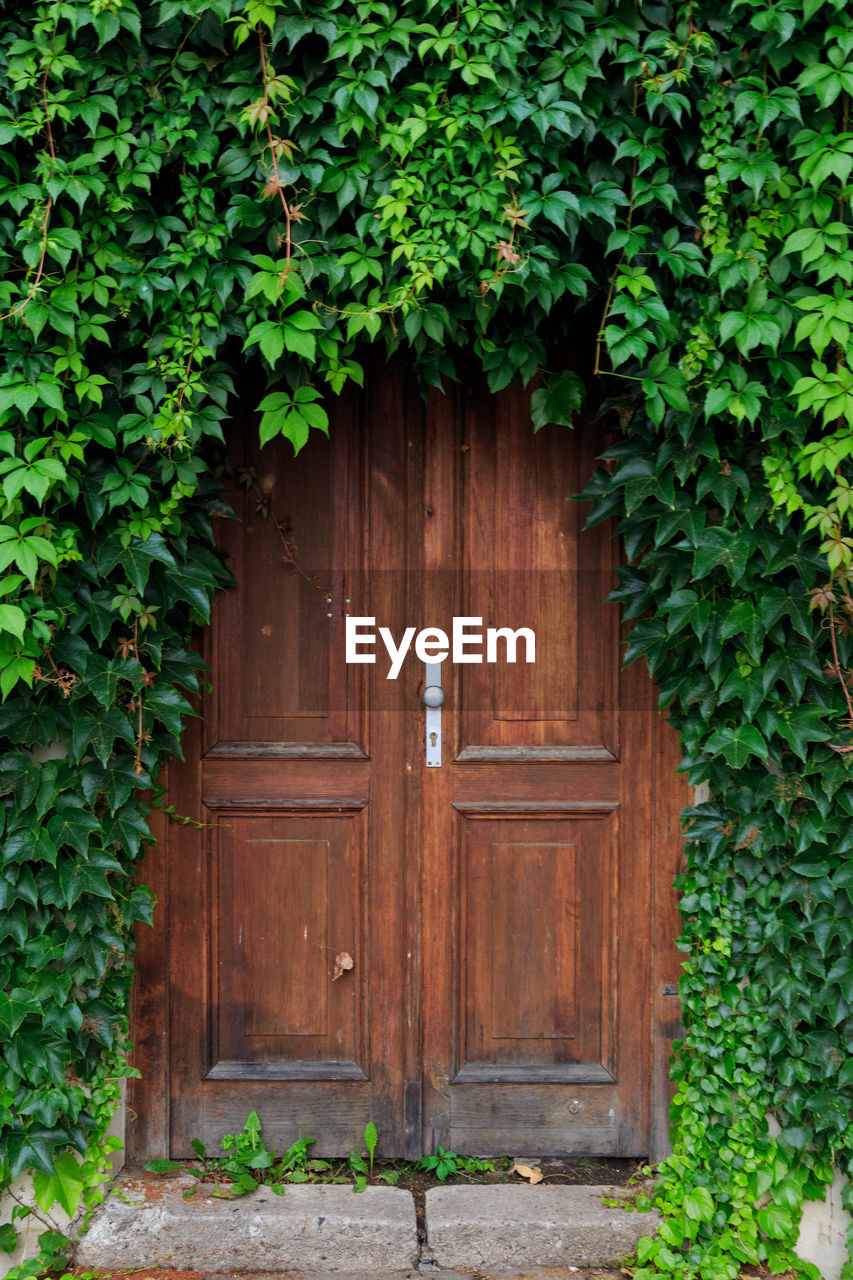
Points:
[[498, 1230]]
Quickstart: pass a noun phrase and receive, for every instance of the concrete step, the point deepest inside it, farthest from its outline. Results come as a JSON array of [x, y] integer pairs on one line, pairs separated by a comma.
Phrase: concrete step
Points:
[[505, 1227], [504, 1230], [146, 1222]]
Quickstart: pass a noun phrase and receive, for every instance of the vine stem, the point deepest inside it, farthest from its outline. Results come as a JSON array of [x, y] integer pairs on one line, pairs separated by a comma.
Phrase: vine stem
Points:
[[599, 342], [138, 757], [281, 529], [48, 207], [65, 680], [288, 217], [187, 371], [837, 663], [33, 1211]]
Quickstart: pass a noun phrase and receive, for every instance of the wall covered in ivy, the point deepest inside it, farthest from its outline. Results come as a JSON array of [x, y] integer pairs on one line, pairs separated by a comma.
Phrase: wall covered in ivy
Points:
[[192, 189]]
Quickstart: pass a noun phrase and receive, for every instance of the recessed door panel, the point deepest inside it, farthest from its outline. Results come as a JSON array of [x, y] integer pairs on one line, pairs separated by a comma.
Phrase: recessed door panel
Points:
[[527, 569], [291, 904], [535, 947], [277, 634]]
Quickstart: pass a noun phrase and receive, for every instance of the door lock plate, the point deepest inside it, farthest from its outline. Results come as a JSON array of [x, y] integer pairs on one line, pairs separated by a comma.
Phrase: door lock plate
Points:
[[433, 697]]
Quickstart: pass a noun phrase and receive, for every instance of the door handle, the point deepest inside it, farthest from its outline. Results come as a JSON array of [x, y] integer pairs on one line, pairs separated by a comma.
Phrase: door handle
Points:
[[433, 696]]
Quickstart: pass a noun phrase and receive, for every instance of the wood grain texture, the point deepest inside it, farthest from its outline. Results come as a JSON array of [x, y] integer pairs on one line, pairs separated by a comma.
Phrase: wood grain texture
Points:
[[542, 1120], [671, 796], [510, 915], [277, 632], [290, 893], [532, 967], [521, 938], [287, 868], [147, 1128], [385, 497], [332, 1113], [284, 1069], [192, 918]]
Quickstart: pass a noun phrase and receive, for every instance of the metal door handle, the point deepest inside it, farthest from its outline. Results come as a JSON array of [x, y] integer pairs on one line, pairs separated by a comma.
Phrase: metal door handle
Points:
[[433, 696]]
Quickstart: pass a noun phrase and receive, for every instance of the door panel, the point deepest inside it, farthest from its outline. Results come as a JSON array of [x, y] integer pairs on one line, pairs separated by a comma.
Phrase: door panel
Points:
[[279, 1016], [534, 947], [497, 910], [274, 644], [525, 563], [539, 979], [297, 869]]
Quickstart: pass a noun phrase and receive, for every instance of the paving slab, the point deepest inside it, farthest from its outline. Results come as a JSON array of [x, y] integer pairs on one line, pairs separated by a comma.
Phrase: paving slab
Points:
[[146, 1223], [431, 1272], [419, 1273], [505, 1228]]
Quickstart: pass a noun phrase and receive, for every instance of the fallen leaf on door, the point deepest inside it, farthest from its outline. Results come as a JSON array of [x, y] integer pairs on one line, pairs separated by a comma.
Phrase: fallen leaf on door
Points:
[[343, 961], [531, 1173]]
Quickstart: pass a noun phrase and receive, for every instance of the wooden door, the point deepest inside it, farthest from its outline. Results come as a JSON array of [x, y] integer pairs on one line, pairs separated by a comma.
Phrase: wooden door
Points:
[[508, 916]]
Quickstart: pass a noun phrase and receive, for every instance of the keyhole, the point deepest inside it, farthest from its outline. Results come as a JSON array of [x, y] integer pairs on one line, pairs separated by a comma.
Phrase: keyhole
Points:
[[433, 739]]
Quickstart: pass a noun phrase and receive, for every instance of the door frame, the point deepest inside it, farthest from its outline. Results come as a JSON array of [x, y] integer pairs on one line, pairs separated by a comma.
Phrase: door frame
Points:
[[152, 1115]]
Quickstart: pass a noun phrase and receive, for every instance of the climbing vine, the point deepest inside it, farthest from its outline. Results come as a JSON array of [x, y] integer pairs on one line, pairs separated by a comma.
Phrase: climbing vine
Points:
[[645, 207]]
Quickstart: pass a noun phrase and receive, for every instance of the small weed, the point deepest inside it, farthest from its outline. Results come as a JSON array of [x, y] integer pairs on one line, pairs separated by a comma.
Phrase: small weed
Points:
[[245, 1163], [370, 1139], [447, 1164], [636, 1196], [293, 1166], [358, 1168]]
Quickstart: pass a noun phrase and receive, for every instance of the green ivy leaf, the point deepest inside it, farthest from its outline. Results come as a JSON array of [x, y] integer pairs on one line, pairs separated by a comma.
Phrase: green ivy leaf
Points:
[[729, 548], [78, 876], [13, 620], [34, 1149], [801, 725], [64, 1186], [103, 676], [98, 733], [557, 402], [127, 828], [698, 1204], [167, 705], [737, 743], [14, 1007], [684, 607], [775, 1221], [71, 824]]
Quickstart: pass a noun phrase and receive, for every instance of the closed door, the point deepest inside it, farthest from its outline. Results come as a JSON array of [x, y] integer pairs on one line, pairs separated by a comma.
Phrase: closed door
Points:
[[468, 954]]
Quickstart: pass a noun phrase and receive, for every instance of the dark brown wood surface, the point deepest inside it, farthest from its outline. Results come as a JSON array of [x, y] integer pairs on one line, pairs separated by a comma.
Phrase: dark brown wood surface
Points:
[[509, 916]]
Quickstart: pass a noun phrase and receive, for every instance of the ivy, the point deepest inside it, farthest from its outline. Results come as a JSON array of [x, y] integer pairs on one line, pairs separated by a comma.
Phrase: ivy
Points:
[[738, 424], [641, 207]]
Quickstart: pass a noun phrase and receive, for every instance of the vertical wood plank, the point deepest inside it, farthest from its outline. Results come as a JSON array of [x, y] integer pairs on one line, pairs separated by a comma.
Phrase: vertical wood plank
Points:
[[443, 549], [389, 703], [190, 924], [281, 916], [413, 748], [531, 928], [671, 795], [147, 1131], [632, 906]]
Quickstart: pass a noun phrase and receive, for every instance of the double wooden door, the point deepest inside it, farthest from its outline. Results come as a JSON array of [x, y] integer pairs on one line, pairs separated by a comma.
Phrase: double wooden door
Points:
[[478, 955]]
